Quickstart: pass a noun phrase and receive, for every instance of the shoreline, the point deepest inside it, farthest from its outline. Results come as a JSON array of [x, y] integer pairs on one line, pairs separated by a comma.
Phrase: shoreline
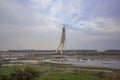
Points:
[[99, 57]]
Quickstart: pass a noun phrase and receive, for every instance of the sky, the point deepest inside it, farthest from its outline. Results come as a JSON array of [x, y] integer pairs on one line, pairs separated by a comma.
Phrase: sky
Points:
[[37, 24]]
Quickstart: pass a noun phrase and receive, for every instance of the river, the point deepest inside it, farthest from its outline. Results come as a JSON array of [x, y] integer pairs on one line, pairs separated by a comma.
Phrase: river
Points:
[[93, 63]]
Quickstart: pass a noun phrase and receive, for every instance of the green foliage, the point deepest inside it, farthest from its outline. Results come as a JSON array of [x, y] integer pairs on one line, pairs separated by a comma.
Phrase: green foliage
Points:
[[100, 74], [117, 70], [112, 76], [4, 77], [22, 74], [55, 72], [67, 76]]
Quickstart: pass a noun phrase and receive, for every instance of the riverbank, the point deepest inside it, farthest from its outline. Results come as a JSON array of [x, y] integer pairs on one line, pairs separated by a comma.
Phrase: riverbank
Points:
[[99, 57], [74, 61]]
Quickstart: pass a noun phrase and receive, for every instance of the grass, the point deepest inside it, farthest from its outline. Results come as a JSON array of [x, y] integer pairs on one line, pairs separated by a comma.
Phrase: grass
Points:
[[52, 73], [67, 76], [65, 72], [8, 70]]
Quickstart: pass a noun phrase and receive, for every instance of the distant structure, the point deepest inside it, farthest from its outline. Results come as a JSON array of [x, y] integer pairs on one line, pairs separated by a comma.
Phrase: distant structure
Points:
[[62, 42], [112, 51]]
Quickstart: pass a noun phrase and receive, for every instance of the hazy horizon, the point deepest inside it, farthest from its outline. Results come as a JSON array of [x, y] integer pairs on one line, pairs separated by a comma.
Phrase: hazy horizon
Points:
[[37, 24]]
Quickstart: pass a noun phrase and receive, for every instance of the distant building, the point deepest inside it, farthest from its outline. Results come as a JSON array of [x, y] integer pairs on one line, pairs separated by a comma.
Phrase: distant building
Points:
[[88, 51], [112, 51]]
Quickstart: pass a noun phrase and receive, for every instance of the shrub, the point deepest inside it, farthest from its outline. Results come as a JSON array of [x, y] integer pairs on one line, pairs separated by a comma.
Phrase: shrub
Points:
[[22, 74], [100, 74], [112, 76]]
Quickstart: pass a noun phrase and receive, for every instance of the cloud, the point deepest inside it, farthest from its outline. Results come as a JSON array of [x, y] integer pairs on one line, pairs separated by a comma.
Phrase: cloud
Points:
[[37, 23], [102, 25]]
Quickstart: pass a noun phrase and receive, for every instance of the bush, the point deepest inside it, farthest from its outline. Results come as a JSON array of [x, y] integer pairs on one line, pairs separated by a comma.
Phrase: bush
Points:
[[22, 74], [112, 76], [100, 74]]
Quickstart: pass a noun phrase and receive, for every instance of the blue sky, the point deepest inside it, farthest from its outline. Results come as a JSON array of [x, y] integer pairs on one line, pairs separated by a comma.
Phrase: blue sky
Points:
[[36, 24]]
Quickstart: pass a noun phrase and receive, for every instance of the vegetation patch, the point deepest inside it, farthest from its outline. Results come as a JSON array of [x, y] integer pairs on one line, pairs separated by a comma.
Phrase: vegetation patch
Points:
[[44, 71]]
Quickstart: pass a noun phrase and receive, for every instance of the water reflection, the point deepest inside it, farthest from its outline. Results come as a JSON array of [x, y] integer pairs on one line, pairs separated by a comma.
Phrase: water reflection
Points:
[[95, 63]]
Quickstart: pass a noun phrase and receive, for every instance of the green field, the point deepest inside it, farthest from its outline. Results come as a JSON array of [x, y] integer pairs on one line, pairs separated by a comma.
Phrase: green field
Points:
[[67, 76], [59, 72]]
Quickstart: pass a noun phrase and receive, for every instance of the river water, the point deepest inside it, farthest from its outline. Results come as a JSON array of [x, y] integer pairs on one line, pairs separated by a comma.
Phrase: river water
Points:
[[93, 63]]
